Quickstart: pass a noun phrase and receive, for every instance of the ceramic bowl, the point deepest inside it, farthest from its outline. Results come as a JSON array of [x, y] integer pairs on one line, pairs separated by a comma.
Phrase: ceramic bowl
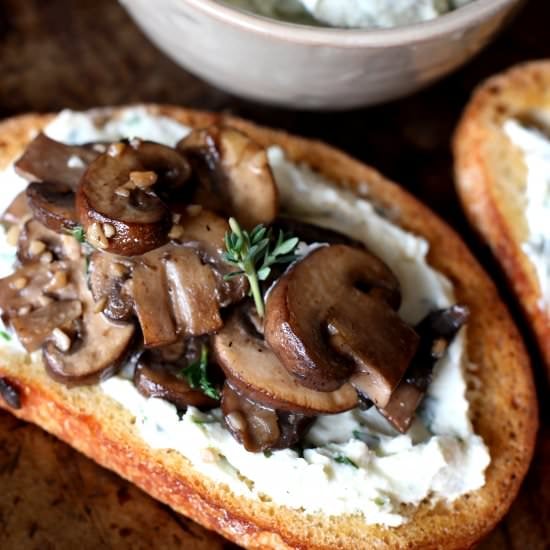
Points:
[[312, 67]]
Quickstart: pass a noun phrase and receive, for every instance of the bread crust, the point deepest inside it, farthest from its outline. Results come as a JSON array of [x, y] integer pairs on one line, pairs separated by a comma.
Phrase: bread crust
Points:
[[490, 177], [102, 429]]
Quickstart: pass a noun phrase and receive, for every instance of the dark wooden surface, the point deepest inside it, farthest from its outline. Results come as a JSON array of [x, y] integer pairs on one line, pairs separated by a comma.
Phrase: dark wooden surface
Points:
[[79, 54]]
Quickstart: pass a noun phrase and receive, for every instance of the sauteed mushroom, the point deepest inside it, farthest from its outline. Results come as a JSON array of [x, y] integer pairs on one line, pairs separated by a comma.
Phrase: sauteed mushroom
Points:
[[35, 327], [436, 331], [329, 317], [116, 200], [250, 365], [38, 243], [53, 204], [157, 376], [108, 278], [45, 159], [82, 356], [174, 290], [234, 174], [205, 233], [257, 426], [34, 285]]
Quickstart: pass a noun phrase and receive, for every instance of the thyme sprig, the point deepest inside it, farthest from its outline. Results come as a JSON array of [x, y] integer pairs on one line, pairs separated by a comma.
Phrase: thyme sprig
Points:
[[254, 253], [196, 375]]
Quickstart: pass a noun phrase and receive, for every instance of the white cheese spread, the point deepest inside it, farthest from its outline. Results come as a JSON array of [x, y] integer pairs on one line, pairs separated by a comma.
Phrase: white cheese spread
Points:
[[352, 462], [351, 13], [536, 150]]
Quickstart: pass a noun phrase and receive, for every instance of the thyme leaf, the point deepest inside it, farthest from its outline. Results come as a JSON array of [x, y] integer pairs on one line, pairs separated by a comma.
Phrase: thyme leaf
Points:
[[341, 459], [196, 375], [254, 252]]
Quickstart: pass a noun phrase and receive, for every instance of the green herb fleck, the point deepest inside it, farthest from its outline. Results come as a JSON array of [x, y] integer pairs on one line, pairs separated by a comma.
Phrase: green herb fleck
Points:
[[5, 335], [379, 501], [79, 234], [341, 459], [254, 253], [268, 453], [201, 421], [197, 376]]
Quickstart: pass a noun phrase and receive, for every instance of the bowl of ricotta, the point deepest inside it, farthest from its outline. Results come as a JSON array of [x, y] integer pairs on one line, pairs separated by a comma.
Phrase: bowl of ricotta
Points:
[[321, 54]]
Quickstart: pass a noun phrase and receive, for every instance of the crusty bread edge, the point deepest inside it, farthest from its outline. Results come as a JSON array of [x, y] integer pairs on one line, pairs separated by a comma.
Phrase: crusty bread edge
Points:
[[494, 346], [484, 198]]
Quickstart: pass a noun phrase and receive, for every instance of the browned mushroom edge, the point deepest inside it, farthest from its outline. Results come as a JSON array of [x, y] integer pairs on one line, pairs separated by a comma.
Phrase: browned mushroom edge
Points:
[[233, 174], [155, 285], [319, 313]]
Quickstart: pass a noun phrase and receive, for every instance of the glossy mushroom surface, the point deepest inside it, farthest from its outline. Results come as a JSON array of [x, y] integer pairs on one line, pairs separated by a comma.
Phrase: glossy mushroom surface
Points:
[[46, 159], [258, 427], [249, 363], [117, 206], [53, 204], [327, 320], [234, 174]]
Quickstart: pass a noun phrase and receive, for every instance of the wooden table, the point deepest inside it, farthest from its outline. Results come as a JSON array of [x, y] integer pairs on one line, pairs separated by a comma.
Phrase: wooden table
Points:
[[58, 53]]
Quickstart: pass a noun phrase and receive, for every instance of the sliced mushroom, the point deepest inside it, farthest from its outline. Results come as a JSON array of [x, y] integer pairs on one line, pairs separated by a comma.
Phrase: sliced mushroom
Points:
[[117, 206], [45, 159], [156, 376], [257, 426], [193, 292], [151, 301], [234, 173], [436, 331], [205, 233], [53, 204], [17, 211], [35, 327], [328, 317], [108, 278], [174, 290], [172, 169], [96, 348], [37, 242], [34, 284], [249, 363]]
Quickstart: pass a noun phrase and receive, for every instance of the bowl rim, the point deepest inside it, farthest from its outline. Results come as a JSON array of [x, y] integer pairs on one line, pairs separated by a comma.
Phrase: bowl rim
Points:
[[447, 23]]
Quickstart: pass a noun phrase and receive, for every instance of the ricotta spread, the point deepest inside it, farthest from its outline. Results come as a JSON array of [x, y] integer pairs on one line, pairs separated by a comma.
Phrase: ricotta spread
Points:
[[535, 146], [352, 462], [351, 13]]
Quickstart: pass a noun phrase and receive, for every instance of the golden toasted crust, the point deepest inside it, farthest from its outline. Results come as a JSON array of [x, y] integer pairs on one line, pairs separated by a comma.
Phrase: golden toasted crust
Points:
[[491, 177], [504, 410]]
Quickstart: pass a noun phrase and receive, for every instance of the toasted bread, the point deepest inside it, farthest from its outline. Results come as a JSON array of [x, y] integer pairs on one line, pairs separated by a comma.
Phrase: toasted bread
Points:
[[504, 410], [491, 179]]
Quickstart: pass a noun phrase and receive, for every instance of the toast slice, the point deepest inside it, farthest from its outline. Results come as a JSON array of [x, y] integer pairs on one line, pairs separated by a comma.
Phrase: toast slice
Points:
[[491, 174], [501, 393]]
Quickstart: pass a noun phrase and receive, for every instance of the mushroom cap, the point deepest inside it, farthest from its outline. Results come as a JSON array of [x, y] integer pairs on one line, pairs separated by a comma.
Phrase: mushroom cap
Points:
[[87, 360], [328, 317], [139, 218], [249, 363]]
